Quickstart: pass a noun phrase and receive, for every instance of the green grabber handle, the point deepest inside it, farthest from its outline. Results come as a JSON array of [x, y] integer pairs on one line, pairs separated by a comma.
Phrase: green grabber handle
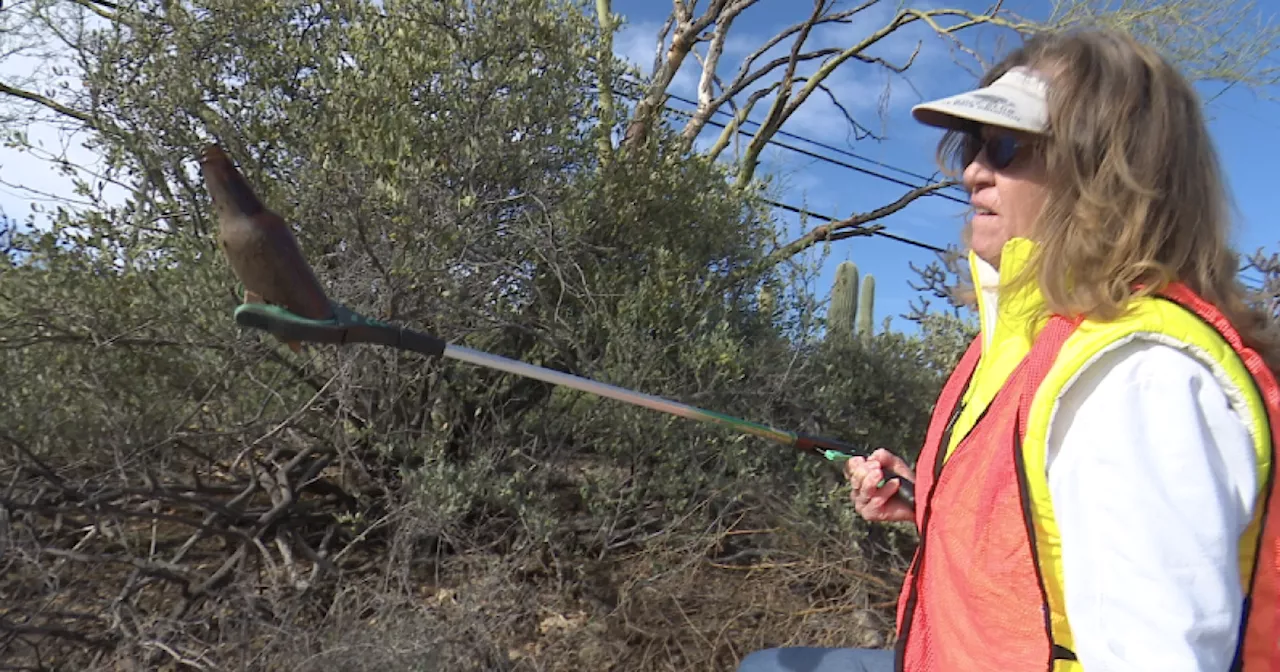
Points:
[[347, 326], [837, 450]]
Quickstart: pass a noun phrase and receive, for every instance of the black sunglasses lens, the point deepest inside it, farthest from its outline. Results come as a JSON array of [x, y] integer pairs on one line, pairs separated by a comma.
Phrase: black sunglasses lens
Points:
[[1001, 150], [970, 149]]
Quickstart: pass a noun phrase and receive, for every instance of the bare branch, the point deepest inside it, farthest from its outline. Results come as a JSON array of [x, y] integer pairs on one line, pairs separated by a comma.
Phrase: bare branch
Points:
[[740, 116], [859, 130], [161, 570], [838, 17], [7, 625], [695, 125], [712, 60], [177, 658], [778, 112], [899, 69], [106, 10], [747, 76], [51, 104], [687, 32], [853, 226], [786, 104], [680, 11], [662, 39], [789, 98]]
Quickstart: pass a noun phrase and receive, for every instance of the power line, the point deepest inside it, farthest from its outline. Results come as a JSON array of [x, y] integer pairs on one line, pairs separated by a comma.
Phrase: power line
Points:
[[816, 143], [795, 136], [820, 157], [891, 236], [827, 218], [830, 160]]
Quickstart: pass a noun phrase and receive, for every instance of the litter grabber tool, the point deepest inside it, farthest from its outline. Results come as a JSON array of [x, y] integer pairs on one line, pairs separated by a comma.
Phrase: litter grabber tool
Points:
[[349, 327], [266, 258]]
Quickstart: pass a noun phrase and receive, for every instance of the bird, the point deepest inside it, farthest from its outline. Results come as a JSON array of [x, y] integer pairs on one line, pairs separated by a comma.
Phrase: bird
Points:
[[259, 245]]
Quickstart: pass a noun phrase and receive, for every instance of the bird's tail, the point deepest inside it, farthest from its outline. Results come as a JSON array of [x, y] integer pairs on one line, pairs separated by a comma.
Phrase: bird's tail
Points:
[[254, 297]]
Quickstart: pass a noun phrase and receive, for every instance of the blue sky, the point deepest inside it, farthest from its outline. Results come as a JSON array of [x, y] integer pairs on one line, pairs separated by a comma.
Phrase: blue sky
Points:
[[1246, 129]]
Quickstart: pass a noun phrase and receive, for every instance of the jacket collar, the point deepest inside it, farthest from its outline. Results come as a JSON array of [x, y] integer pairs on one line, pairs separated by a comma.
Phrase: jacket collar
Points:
[[1009, 319], [1006, 314]]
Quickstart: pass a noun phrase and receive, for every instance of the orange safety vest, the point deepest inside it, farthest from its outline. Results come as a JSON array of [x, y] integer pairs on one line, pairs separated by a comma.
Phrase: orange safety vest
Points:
[[974, 597]]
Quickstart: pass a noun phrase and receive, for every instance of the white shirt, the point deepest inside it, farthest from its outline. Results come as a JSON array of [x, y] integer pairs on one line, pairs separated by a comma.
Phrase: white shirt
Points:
[[1152, 476]]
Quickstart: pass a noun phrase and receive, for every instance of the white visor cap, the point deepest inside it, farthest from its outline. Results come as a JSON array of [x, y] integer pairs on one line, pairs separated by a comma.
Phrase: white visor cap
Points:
[[1018, 100]]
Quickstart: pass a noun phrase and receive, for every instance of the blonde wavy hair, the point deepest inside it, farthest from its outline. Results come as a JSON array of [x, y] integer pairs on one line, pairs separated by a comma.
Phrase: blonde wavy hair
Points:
[[1135, 189]]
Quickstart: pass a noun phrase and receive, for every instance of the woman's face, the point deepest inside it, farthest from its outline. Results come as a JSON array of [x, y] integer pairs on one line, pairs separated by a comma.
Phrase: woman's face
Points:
[[1006, 184]]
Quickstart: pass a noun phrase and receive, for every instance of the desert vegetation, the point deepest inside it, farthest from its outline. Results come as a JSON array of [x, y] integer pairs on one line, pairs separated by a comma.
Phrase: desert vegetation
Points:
[[179, 493]]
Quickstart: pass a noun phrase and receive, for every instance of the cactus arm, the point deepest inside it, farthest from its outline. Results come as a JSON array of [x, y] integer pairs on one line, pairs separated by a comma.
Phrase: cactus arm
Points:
[[866, 307]]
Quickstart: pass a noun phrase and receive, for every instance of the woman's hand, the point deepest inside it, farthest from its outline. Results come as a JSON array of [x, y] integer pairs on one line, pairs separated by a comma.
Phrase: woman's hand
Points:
[[878, 504]]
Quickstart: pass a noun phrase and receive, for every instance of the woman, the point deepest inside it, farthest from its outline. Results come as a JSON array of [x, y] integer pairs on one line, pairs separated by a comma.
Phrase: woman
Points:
[[1094, 487]]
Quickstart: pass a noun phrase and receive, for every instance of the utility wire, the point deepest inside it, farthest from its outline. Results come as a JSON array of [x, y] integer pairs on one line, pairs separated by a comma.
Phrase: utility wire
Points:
[[816, 143], [891, 236], [828, 159], [828, 218], [794, 136]]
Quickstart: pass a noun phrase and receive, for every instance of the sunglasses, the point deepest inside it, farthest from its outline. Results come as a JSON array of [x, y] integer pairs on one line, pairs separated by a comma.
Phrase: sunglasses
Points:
[[1001, 150]]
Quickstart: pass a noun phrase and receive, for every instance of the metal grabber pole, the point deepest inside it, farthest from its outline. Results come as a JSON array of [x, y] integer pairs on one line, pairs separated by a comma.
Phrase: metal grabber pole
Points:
[[283, 297], [347, 326]]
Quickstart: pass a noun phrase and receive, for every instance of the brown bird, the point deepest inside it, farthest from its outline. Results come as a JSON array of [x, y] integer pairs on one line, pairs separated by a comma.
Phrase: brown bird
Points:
[[259, 245]]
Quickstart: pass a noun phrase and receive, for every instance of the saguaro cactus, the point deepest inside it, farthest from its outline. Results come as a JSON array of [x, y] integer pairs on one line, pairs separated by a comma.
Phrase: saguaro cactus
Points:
[[844, 301], [852, 309]]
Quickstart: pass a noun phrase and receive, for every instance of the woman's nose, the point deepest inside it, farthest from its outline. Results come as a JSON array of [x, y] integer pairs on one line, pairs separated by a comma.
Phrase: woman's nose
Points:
[[977, 174]]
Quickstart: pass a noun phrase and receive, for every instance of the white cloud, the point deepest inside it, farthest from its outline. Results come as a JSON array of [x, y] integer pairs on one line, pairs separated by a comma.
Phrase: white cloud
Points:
[[876, 98], [37, 176], [637, 43]]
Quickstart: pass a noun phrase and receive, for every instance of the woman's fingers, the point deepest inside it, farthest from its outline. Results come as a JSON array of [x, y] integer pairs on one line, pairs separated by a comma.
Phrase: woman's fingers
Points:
[[872, 500], [893, 463], [854, 468]]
